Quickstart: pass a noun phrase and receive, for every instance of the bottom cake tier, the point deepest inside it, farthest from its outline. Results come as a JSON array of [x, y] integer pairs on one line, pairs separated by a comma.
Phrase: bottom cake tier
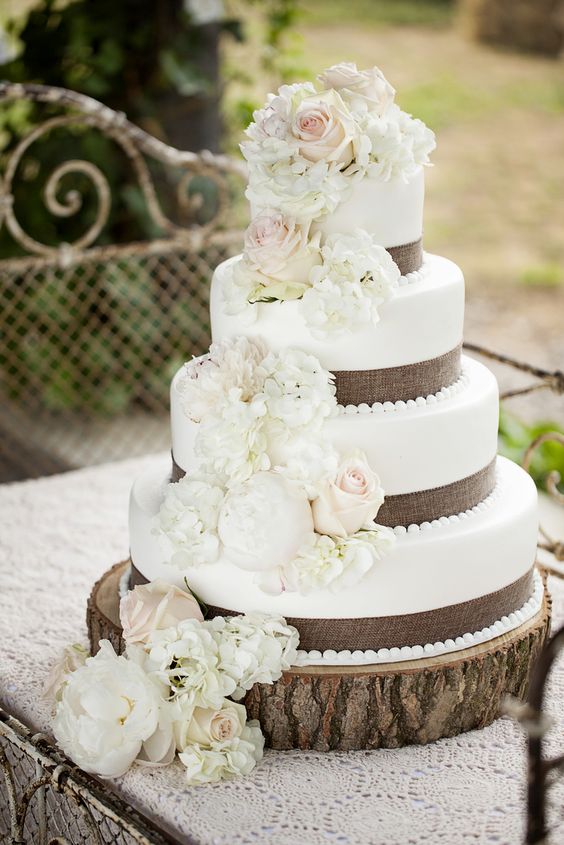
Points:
[[447, 585]]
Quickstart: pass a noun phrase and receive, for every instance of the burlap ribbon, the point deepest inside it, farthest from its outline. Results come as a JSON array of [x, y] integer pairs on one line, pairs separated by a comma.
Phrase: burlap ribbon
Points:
[[394, 383], [408, 257], [376, 632], [424, 505]]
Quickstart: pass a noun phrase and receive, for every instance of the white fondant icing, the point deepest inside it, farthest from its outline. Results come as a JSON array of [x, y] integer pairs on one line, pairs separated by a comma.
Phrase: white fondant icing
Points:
[[417, 448], [425, 570], [393, 210], [420, 322]]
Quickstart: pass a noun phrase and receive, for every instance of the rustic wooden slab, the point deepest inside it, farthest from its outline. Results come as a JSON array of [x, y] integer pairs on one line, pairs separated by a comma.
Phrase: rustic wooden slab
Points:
[[382, 706]]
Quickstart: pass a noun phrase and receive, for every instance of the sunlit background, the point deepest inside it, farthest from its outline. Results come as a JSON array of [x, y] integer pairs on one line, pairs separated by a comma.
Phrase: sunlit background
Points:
[[90, 340]]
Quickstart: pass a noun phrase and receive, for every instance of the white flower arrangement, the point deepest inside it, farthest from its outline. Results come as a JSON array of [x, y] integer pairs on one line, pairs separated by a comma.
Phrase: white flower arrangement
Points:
[[167, 694], [343, 290], [306, 147], [187, 521]]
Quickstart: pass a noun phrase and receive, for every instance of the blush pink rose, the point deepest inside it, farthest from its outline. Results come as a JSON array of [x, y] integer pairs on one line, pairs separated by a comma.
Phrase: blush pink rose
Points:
[[365, 88], [325, 129], [153, 607], [278, 247], [350, 502]]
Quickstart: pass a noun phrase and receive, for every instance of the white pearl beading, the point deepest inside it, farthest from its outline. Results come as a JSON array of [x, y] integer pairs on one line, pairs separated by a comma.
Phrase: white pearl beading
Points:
[[416, 652], [411, 404], [416, 275], [455, 518]]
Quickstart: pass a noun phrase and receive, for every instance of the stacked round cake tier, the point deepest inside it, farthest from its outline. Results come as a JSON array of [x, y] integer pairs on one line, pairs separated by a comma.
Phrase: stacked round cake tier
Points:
[[426, 417]]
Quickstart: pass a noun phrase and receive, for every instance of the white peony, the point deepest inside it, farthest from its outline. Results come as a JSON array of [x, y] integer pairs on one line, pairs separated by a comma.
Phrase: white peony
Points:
[[297, 391], [186, 660], [187, 522], [333, 563], [72, 658], [230, 369], [350, 501], [232, 446], [224, 760], [254, 649], [108, 709], [264, 521]]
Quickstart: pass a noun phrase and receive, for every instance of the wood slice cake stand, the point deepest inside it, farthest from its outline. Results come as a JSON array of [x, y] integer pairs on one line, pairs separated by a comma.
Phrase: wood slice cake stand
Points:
[[388, 705]]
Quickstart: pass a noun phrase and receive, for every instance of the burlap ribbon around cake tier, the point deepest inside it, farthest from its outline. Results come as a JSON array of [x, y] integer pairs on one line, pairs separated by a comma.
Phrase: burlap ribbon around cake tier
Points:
[[409, 629], [424, 505], [390, 384], [408, 257]]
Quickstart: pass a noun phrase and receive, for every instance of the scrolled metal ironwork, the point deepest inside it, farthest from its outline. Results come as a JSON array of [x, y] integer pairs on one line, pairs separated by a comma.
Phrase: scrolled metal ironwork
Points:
[[135, 144]]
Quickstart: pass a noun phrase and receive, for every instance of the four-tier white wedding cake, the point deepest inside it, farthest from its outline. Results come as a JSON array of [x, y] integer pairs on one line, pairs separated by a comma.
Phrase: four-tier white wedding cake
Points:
[[334, 455]]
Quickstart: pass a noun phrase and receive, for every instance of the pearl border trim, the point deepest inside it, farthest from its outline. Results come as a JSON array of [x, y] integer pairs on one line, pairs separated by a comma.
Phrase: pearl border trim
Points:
[[397, 655], [416, 275], [411, 404]]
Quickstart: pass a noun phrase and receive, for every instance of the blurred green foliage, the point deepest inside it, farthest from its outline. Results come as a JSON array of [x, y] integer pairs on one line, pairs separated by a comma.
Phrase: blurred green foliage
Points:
[[398, 12], [515, 436]]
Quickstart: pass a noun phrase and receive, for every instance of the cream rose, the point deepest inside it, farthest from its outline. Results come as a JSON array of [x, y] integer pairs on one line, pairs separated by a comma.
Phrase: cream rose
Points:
[[276, 246], [325, 129], [367, 89], [349, 502], [208, 726], [153, 607]]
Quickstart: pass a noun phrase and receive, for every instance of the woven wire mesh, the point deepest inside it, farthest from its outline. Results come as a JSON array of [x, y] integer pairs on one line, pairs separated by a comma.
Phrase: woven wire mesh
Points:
[[88, 350], [43, 801]]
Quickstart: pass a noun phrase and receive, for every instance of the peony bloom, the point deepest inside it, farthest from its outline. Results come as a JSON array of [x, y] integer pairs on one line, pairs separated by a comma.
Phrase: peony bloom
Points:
[[108, 709], [349, 502], [264, 521], [231, 368], [363, 90], [72, 658], [154, 606]]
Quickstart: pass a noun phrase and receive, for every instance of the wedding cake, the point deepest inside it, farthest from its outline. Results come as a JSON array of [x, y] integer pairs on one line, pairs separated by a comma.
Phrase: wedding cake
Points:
[[334, 455]]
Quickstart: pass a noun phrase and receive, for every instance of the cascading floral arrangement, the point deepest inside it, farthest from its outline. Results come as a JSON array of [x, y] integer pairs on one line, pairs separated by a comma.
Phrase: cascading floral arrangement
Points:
[[305, 150], [175, 690], [270, 493]]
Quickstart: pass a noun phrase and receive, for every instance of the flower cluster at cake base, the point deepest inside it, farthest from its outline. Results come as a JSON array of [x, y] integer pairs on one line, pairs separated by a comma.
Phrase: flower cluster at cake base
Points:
[[174, 691], [270, 494]]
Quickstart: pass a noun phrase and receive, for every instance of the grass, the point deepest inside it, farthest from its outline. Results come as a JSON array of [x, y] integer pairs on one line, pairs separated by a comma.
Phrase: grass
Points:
[[393, 12]]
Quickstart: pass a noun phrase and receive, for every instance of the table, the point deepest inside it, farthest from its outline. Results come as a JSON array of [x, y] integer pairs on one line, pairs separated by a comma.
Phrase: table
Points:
[[59, 534]]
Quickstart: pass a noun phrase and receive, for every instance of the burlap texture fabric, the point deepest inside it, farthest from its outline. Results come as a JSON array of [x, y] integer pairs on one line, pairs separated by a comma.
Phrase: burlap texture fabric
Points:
[[391, 384], [408, 257], [424, 505], [377, 632]]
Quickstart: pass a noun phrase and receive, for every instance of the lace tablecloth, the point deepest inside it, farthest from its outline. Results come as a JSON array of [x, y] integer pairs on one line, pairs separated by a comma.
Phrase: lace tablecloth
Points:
[[60, 534]]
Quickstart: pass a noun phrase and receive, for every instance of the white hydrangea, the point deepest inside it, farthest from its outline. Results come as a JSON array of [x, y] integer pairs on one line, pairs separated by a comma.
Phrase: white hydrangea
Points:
[[333, 563], [357, 275], [254, 649], [297, 391], [224, 760], [233, 445], [400, 144], [108, 709], [186, 660], [187, 522], [309, 461], [230, 371], [269, 135]]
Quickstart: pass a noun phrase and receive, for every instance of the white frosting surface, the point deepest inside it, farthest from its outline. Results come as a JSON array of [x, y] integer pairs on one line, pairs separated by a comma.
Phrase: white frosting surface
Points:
[[453, 561], [393, 211], [411, 447], [422, 320]]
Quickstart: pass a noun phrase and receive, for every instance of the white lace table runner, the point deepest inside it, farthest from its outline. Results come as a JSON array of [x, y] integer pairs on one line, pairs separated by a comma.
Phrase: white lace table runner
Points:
[[60, 534]]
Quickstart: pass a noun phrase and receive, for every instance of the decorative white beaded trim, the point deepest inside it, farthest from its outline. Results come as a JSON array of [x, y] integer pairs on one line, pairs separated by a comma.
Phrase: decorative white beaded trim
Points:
[[454, 518], [396, 655], [416, 275], [412, 404]]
